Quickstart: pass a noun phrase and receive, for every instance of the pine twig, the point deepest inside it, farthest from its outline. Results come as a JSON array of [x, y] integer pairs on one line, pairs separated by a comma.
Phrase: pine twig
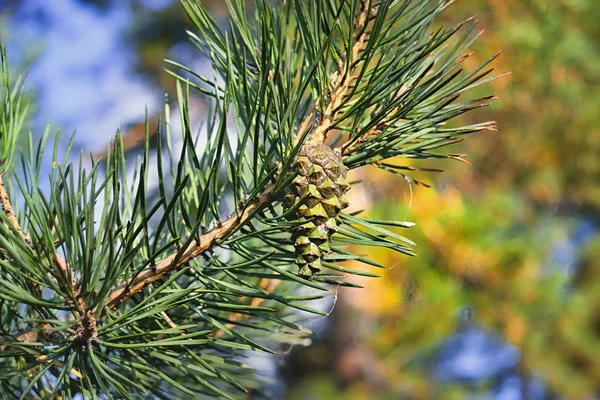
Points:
[[125, 290], [8, 210], [87, 330], [342, 80], [342, 86]]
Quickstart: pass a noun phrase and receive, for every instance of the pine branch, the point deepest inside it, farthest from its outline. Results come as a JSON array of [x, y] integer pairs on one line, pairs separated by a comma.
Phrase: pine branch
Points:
[[176, 260], [8, 210], [343, 81], [140, 291]]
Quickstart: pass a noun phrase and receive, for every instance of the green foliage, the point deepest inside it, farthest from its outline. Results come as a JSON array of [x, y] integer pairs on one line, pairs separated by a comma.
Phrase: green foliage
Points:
[[14, 106], [112, 292]]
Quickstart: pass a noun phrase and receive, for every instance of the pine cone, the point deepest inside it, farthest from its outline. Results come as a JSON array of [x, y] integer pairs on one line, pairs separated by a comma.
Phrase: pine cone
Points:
[[317, 195]]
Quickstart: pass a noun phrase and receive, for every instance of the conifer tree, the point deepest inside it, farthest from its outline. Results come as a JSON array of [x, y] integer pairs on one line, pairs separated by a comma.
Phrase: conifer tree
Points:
[[109, 289]]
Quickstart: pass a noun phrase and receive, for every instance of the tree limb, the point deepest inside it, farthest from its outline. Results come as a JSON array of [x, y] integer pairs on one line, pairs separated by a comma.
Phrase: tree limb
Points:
[[343, 84], [343, 80], [125, 290], [8, 210]]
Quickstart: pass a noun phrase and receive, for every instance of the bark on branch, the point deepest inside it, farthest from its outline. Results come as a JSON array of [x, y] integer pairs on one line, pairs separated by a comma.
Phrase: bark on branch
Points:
[[8, 210], [343, 81], [125, 290]]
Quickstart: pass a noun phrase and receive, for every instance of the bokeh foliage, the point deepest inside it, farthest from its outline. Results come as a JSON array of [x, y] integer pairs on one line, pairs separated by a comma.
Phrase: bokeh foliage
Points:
[[492, 236]]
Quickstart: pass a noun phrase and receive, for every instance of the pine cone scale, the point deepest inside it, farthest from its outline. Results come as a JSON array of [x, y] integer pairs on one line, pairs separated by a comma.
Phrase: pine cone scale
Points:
[[320, 185]]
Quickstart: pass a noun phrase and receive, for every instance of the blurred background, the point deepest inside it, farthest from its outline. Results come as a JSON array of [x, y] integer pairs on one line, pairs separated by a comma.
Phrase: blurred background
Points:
[[503, 300]]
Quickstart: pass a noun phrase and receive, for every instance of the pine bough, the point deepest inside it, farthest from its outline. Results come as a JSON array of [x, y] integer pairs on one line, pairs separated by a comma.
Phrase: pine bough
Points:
[[111, 290]]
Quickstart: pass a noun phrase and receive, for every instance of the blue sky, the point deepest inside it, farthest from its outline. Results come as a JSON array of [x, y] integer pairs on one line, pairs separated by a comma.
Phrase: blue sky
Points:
[[84, 75]]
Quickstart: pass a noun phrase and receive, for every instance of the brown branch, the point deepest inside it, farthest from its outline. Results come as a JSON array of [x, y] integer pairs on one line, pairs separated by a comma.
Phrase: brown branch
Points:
[[343, 82], [88, 327], [62, 265], [171, 263], [29, 336], [125, 290], [8, 210], [12, 218]]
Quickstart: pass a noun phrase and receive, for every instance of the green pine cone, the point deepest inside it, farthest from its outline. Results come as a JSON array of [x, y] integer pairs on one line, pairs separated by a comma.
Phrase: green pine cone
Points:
[[317, 195]]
